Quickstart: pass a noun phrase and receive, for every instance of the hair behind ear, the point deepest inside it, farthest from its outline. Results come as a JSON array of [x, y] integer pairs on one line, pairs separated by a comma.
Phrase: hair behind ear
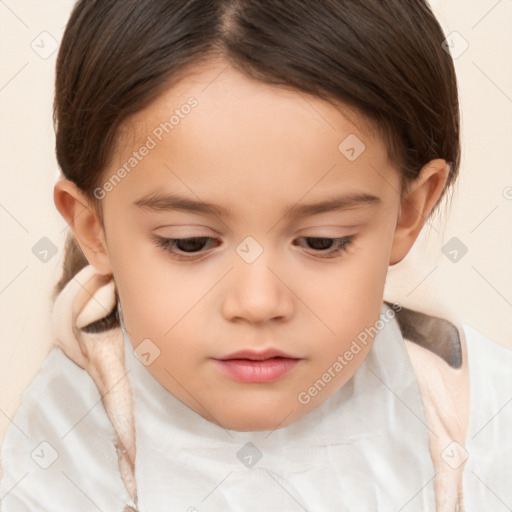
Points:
[[74, 261]]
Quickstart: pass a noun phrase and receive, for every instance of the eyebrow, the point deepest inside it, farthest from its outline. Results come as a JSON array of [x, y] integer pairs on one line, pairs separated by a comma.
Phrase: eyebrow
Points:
[[160, 202]]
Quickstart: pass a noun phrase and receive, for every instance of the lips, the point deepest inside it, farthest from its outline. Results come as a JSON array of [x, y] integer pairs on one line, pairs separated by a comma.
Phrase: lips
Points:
[[254, 355], [253, 366]]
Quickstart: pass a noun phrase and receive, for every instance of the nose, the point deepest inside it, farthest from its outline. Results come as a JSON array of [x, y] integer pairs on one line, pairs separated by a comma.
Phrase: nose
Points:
[[257, 293]]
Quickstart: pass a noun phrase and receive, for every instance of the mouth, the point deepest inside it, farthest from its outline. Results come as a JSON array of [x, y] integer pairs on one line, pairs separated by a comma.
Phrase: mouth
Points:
[[262, 370], [254, 355]]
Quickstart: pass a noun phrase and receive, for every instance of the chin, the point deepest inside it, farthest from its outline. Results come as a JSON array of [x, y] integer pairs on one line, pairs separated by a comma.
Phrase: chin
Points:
[[252, 421]]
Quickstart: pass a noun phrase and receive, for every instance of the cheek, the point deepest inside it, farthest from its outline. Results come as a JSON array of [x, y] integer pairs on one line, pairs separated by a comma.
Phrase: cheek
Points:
[[159, 300], [350, 306], [145, 294], [153, 290], [349, 295]]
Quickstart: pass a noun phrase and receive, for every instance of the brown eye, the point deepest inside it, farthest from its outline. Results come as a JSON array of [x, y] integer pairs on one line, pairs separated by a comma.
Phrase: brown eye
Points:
[[179, 247], [190, 244], [325, 245]]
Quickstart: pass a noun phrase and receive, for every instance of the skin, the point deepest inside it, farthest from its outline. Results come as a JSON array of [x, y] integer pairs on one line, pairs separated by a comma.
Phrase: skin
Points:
[[256, 149]]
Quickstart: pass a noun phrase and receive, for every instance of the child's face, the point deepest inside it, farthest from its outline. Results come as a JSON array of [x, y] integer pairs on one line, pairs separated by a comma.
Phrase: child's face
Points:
[[260, 283]]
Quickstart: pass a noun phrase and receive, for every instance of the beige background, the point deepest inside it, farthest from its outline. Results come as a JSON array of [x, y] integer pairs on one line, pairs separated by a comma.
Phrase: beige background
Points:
[[476, 290]]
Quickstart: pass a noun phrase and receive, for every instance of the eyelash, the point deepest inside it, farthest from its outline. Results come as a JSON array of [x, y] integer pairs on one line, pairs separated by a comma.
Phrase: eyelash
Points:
[[342, 244]]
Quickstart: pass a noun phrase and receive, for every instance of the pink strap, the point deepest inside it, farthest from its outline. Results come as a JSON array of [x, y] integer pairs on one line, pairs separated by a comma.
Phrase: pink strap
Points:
[[88, 297], [445, 396]]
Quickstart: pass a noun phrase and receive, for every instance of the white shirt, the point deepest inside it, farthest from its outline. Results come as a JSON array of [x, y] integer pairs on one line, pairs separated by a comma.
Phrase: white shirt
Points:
[[365, 449]]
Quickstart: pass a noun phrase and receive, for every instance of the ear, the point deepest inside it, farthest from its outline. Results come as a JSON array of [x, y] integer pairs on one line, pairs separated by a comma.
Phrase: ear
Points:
[[79, 214], [416, 205]]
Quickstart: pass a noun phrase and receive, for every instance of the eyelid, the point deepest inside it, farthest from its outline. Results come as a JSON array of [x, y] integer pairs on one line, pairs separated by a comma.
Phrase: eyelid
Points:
[[186, 231], [330, 230], [341, 243]]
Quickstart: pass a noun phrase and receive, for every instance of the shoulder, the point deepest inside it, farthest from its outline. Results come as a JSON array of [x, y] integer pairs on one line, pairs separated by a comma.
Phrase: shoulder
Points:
[[490, 372], [485, 355], [488, 443], [60, 444]]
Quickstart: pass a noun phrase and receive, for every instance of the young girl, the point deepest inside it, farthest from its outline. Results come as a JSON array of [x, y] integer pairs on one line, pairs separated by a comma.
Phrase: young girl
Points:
[[238, 176]]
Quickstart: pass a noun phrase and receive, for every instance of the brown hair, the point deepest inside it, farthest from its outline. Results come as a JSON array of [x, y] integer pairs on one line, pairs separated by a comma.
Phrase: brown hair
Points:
[[381, 58]]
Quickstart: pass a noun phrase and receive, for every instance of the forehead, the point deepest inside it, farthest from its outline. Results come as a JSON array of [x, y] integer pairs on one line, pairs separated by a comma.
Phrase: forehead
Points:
[[247, 137], [224, 96]]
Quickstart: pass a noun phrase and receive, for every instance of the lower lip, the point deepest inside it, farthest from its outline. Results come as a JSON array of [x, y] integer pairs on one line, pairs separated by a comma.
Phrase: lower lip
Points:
[[268, 370]]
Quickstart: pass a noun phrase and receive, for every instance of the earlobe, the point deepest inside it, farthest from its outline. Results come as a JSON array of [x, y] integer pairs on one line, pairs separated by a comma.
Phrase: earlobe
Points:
[[78, 213], [417, 205]]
